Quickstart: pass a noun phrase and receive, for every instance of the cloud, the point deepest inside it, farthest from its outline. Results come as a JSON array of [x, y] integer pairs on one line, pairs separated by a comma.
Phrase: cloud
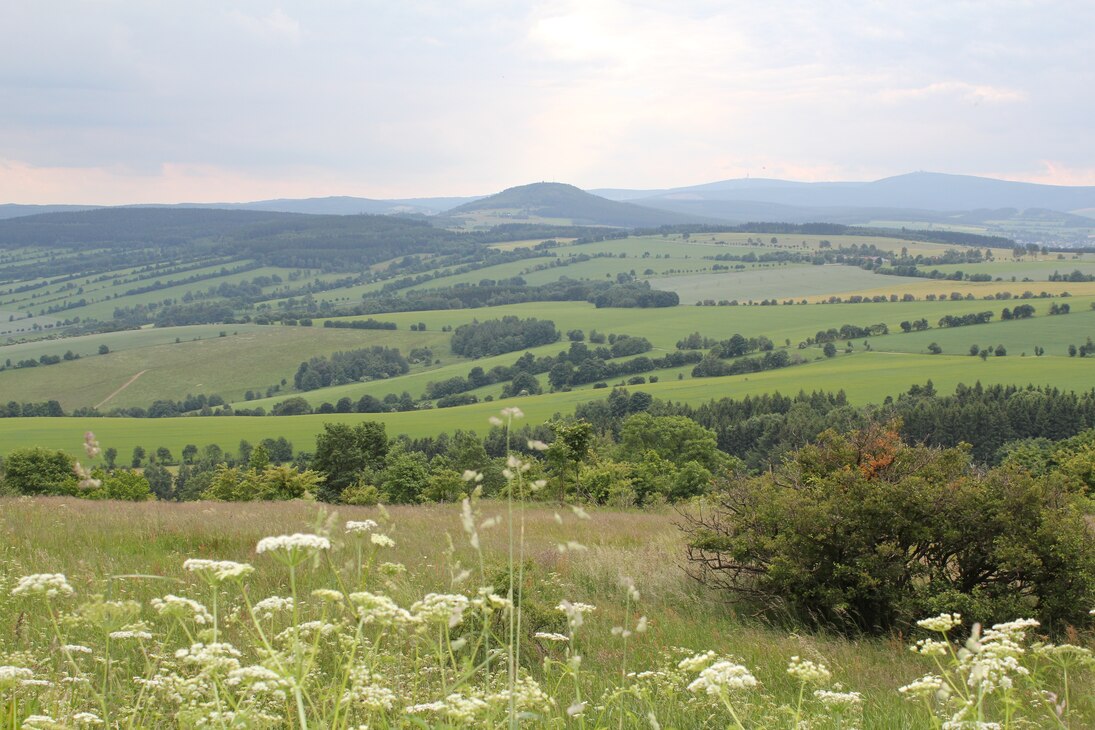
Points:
[[973, 93], [276, 25]]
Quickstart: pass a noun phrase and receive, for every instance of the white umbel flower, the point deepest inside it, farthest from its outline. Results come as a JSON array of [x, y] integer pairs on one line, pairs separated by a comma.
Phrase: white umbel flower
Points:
[[290, 543], [50, 585], [723, 676]]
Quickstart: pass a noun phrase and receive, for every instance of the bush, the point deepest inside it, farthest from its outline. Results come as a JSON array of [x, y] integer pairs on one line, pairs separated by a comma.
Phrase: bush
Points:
[[39, 471], [863, 532]]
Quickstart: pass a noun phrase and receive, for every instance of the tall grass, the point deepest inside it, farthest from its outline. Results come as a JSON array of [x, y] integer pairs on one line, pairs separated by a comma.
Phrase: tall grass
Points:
[[489, 614]]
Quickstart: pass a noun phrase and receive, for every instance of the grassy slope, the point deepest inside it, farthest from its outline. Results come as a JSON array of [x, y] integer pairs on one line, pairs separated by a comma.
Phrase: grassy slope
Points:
[[91, 541], [255, 358], [865, 377]]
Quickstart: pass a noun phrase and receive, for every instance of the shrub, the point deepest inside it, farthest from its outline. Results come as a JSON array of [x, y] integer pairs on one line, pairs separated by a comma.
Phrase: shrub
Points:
[[863, 532], [39, 471]]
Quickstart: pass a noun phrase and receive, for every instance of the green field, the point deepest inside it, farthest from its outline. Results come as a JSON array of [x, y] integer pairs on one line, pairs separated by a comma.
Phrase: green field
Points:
[[866, 377]]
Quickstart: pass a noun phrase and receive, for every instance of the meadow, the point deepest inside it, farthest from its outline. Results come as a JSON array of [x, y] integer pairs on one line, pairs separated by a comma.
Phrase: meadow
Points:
[[120, 558]]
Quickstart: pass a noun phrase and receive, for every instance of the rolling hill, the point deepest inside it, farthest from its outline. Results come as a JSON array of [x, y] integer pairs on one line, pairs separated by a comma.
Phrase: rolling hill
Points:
[[556, 203]]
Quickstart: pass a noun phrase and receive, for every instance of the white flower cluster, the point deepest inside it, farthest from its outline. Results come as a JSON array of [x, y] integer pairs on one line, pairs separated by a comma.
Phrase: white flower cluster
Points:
[[258, 680], [50, 585], [361, 526], [926, 687], [805, 670], [130, 634], [267, 607], [366, 692], [379, 609], [218, 570], [575, 612], [182, 608], [11, 676], [839, 700], [290, 543], [942, 623], [723, 676], [381, 540], [445, 608]]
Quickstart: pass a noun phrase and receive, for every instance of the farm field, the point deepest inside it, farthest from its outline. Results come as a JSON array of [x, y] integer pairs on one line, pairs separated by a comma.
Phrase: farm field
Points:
[[252, 358], [866, 377]]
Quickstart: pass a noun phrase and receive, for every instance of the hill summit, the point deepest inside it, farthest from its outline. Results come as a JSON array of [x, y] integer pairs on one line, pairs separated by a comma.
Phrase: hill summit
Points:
[[546, 202]]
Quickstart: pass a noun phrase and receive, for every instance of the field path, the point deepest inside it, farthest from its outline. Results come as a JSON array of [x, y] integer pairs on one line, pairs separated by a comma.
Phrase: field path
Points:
[[125, 385]]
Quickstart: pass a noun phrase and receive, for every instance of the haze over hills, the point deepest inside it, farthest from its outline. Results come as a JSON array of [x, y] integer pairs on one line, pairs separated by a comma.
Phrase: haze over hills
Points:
[[1025, 211], [558, 202]]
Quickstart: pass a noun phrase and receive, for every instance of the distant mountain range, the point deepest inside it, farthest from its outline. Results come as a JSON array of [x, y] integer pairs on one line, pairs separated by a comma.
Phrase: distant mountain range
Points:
[[1025, 211]]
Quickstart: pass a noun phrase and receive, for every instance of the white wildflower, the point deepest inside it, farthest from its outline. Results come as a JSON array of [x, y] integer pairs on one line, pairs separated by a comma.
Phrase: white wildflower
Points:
[[40, 722], [576, 709], [513, 412], [537, 445], [183, 608], [218, 570], [381, 540], [126, 634], [267, 607], [942, 623], [360, 526], [11, 676], [86, 718], [440, 608], [723, 676], [50, 585], [930, 647], [839, 700], [640, 627], [551, 636], [377, 608], [77, 649], [696, 662], [805, 670], [471, 475], [575, 612], [327, 594], [925, 687], [292, 543]]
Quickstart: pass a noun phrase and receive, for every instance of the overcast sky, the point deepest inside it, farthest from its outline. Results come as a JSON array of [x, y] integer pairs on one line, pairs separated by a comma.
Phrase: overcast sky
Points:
[[118, 101]]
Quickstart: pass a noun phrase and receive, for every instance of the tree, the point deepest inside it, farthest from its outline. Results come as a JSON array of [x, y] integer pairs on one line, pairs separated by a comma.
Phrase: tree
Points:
[[259, 459], [188, 453], [675, 438], [159, 481], [1000, 351], [934, 348], [163, 455], [138, 456], [829, 349], [865, 532], [39, 471], [344, 453], [110, 456], [404, 476], [104, 350], [974, 349], [122, 484]]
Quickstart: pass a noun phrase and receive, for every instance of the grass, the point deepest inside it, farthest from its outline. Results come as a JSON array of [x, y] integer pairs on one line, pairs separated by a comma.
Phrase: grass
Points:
[[135, 552], [248, 358], [866, 377]]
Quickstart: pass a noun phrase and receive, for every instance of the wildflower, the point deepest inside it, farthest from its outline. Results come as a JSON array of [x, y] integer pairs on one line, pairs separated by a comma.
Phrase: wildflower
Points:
[[440, 607], [267, 607], [575, 612], [580, 513], [805, 670], [926, 686], [942, 623], [696, 662], [10, 676], [470, 475], [640, 628], [220, 657], [326, 594], [87, 718], [293, 543], [576, 709], [179, 607], [86, 480], [572, 546], [377, 608], [839, 700], [130, 634], [537, 445], [495, 421], [50, 585], [930, 647], [551, 636], [367, 693], [217, 571], [381, 540], [392, 569], [40, 722], [360, 526], [723, 676], [513, 412], [76, 649], [258, 679]]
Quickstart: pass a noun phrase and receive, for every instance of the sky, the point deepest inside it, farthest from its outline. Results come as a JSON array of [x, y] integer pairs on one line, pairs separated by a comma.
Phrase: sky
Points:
[[140, 101]]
